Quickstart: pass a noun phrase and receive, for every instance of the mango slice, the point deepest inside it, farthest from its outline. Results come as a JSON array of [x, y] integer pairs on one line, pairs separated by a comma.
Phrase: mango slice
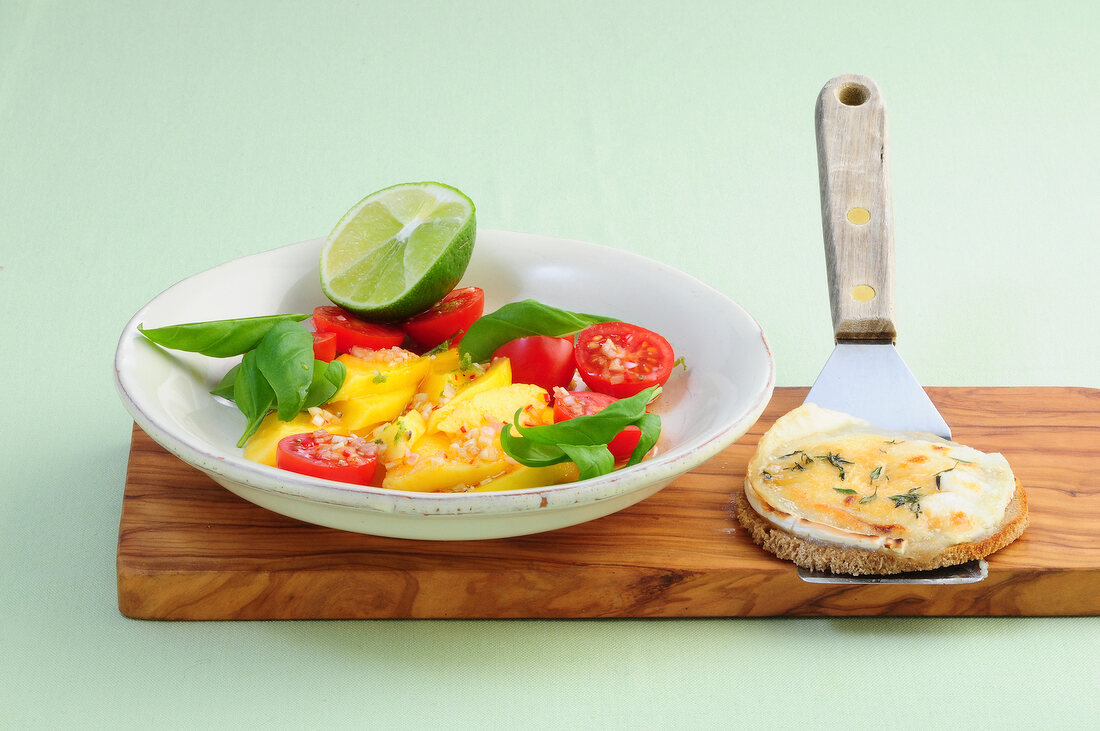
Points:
[[376, 377], [445, 476], [499, 374], [361, 414], [263, 445], [524, 478], [399, 434], [495, 405], [446, 374]]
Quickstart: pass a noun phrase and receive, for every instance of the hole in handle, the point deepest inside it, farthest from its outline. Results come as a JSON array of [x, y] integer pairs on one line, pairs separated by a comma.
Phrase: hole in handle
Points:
[[852, 95]]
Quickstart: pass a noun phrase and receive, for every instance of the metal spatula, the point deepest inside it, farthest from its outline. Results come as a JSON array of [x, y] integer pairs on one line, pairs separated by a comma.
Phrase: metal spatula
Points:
[[865, 376]]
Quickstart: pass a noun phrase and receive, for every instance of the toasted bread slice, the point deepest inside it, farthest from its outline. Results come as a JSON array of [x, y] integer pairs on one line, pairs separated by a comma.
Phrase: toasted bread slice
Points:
[[823, 556]]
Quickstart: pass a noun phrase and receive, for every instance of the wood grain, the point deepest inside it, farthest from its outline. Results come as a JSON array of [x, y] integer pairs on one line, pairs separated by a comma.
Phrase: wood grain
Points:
[[190, 550]]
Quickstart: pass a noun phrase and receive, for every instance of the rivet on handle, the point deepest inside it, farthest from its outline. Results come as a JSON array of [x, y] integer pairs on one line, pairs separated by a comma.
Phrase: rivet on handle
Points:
[[858, 216], [863, 293]]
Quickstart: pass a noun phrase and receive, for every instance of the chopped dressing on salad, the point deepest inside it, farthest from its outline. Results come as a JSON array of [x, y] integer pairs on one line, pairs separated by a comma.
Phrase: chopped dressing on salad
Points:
[[490, 406]]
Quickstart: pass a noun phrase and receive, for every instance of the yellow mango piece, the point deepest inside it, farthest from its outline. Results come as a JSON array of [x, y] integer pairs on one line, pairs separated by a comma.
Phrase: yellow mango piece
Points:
[[495, 405], [263, 445], [448, 360], [435, 463], [445, 371], [428, 444], [441, 462], [360, 414], [373, 377], [524, 478], [498, 375], [447, 473], [428, 475], [399, 434], [546, 416]]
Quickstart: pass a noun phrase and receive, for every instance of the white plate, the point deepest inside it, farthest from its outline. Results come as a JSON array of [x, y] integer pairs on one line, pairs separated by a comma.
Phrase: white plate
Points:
[[728, 381]]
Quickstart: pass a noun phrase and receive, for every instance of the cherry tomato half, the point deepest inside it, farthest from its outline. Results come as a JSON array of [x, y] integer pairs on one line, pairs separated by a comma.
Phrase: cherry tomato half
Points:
[[320, 454], [620, 359], [324, 346], [449, 318], [570, 404], [540, 359], [353, 332]]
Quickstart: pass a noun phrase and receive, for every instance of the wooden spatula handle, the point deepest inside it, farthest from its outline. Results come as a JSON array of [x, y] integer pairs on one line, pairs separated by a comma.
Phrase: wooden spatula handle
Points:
[[856, 217]]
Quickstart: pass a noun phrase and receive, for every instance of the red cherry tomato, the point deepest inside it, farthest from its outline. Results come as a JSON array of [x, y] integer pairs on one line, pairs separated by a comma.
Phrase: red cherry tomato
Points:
[[449, 318], [353, 332], [320, 454], [585, 403], [540, 359], [620, 359], [324, 346]]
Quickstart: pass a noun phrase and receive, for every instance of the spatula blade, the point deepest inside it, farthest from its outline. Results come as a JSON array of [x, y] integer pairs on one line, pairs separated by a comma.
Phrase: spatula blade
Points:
[[872, 382]]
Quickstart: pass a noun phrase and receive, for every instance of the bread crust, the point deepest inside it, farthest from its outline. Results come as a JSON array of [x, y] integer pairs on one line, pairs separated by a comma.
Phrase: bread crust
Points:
[[822, 556]]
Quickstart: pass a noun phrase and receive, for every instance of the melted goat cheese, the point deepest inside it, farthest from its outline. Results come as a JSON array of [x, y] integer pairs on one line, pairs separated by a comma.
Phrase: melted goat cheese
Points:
[[831, 477]]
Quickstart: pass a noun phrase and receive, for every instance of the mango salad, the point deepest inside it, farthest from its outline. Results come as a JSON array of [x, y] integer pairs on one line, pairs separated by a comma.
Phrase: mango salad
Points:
[[432, 422], [447, 401]]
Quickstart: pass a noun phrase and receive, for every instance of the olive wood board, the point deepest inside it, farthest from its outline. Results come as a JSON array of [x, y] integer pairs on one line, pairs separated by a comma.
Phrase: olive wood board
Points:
[[190, 550]]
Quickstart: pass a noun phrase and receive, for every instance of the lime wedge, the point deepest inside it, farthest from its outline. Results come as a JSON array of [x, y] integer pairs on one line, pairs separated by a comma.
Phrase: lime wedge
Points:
[[399, 251]]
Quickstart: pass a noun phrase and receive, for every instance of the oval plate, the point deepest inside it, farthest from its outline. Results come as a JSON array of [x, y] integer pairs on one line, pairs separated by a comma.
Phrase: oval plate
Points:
[[706, 406]]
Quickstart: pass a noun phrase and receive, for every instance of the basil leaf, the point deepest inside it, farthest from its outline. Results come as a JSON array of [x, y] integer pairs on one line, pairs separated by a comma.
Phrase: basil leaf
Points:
[[225, 386], [253, 394], [583, 439], [650, 424], [529, 453], [327, 379], [217, 338], [591, 461], [517, 320], [592, 429], [285, 358]]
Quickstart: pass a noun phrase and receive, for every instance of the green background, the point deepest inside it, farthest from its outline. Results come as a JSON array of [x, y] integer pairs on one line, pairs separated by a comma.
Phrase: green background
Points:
[[141, 142]]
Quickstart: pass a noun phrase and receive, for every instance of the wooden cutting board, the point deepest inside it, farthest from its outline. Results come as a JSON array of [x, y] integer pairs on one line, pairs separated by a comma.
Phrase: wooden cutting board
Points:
[[189, 549]]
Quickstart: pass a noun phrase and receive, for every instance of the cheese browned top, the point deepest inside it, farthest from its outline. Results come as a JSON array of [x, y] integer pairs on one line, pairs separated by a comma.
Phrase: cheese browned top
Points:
[[829, 476]]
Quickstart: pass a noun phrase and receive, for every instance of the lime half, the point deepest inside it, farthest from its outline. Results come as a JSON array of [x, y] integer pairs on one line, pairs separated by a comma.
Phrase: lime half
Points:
[[399, 251]]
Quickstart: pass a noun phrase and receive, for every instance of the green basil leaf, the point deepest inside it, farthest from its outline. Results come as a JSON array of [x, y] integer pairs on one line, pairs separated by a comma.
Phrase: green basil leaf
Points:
[[225, 386], [327, 379], [217, 338], [650, 424], [594, 429], [253, 394], [591, 461], [518, 320], [529, 453], [285, 358], [583, 439]]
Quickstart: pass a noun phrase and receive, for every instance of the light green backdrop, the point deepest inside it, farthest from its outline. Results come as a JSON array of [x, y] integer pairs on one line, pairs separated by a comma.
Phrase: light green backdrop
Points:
[[141, 142]]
